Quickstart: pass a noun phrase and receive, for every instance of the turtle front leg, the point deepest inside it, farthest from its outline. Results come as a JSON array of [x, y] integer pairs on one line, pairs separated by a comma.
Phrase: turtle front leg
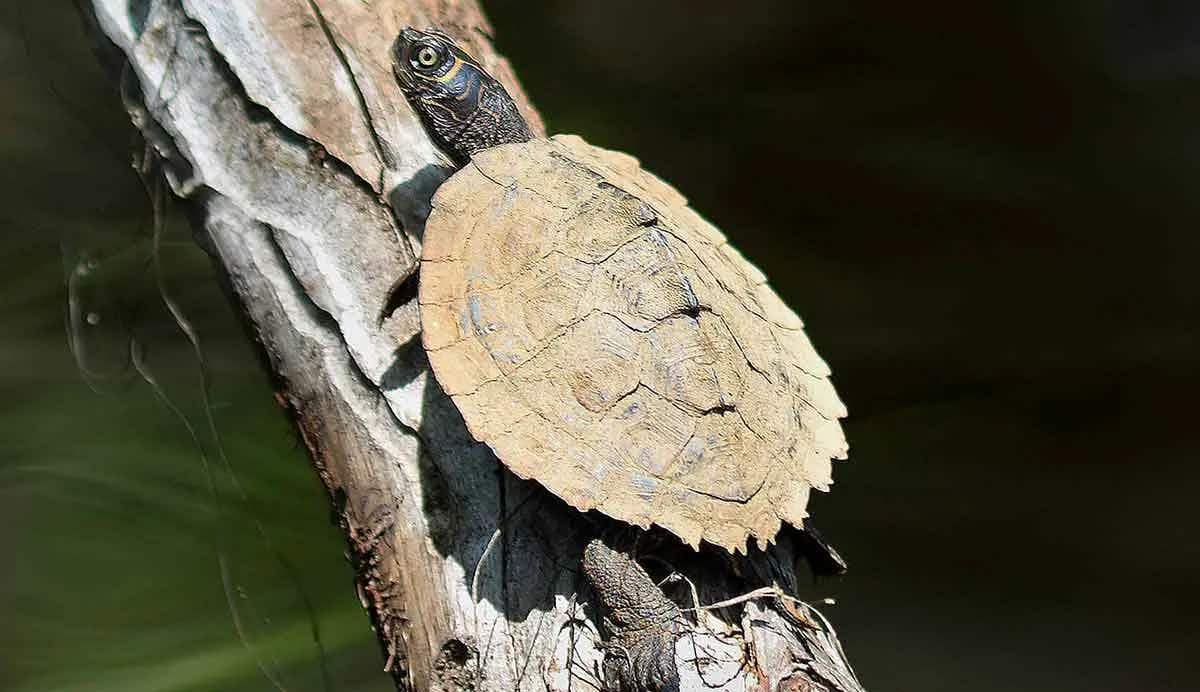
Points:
[[643, 625]]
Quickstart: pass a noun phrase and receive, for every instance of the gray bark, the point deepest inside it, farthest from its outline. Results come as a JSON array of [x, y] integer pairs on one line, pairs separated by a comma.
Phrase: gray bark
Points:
[[280, 122]]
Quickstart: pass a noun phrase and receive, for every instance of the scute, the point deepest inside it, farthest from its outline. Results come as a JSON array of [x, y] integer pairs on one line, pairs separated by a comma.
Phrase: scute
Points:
[[605, 340]]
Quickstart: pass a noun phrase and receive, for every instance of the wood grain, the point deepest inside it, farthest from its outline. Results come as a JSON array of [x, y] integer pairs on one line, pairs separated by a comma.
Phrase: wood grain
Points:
[[310, 177]]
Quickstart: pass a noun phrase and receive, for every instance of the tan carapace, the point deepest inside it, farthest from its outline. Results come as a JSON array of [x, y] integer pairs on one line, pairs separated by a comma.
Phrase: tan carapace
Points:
[[606, 341]]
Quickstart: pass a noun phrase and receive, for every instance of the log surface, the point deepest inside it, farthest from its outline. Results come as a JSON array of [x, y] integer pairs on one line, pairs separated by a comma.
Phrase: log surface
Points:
[[281, 125]]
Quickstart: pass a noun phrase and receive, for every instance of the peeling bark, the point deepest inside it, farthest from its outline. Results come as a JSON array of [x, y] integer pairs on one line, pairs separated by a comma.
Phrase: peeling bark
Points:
[[279, 121]]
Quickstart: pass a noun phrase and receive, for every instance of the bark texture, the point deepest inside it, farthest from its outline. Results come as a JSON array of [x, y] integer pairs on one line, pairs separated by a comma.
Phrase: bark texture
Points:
[[281, 124]]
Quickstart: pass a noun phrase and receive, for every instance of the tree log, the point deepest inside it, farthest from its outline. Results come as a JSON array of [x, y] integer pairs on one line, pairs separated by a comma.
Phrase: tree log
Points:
[[280, 123]]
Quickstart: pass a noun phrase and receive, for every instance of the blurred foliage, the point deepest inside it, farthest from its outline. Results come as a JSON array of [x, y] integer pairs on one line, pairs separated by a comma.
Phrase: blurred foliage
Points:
[[983, 211], [110, 533]]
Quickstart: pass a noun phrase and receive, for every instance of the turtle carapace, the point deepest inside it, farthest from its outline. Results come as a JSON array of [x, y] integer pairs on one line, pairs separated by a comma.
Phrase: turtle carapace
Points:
[[600, 336]]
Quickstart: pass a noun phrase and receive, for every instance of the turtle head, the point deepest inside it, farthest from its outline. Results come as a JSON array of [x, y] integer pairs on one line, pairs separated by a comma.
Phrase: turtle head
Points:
[[463, 108]]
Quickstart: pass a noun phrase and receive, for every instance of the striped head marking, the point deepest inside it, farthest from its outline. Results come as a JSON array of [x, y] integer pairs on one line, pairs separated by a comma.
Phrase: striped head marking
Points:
[[462, 107]]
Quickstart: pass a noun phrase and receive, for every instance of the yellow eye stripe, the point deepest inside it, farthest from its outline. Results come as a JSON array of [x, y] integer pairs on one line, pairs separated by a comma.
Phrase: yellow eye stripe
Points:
[[458, 63]]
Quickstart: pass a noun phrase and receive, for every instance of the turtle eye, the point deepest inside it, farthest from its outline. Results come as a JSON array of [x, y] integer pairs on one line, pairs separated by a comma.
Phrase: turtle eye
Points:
[[426, 57]]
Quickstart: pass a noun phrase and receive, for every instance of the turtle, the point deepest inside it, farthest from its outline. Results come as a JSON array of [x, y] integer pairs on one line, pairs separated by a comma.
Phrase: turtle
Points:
[[602, 337]]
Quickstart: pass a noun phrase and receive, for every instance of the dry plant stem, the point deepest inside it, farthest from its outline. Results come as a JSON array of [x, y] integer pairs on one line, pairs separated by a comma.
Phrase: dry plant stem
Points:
[[280, 124]]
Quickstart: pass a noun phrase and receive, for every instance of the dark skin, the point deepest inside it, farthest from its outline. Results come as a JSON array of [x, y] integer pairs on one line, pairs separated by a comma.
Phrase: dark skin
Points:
[[463, 108]]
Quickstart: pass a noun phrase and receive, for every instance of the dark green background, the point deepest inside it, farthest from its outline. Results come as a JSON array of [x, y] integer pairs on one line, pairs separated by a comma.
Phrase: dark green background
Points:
[[985, 212]]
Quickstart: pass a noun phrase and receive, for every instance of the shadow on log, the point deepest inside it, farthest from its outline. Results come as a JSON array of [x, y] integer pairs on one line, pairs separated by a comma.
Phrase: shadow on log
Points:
[[280, 123]]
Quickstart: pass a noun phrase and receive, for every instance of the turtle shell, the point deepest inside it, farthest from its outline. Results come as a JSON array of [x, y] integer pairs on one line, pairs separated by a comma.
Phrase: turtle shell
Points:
[[606, 341]]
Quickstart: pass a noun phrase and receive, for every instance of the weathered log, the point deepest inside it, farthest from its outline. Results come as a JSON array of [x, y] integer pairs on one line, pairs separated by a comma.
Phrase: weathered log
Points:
[[280, 123]]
